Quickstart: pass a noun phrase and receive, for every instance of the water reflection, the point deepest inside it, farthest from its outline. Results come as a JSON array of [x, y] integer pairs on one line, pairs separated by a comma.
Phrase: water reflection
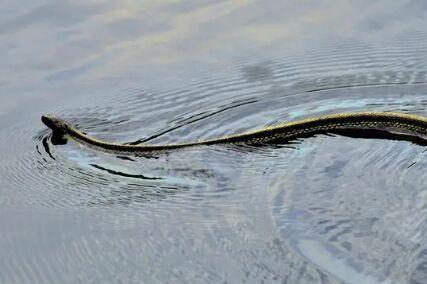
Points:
[[326, 209], [223, 192]]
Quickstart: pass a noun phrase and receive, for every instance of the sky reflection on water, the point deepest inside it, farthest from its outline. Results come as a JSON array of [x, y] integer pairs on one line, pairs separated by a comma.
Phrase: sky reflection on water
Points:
[[184, 70]]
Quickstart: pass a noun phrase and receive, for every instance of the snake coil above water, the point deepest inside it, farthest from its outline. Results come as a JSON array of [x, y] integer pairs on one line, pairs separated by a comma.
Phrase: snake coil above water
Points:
[[387, 125]]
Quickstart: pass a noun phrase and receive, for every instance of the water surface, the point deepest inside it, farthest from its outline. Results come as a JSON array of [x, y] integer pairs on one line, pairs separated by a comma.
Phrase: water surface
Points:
[[326, 209]]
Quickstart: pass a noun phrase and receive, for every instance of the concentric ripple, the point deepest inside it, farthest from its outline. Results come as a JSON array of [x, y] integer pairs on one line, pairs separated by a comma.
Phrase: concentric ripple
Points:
[[326, 209], [359, 225]]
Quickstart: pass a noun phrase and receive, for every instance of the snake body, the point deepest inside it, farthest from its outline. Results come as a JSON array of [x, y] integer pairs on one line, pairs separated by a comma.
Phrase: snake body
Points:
[[359, 124]]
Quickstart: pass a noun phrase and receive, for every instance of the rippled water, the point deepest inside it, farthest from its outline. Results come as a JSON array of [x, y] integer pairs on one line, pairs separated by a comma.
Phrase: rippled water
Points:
[[326, 209]]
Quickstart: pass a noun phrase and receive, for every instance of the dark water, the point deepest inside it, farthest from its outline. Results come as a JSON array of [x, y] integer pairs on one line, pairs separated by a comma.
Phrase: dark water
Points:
[[327, 209]]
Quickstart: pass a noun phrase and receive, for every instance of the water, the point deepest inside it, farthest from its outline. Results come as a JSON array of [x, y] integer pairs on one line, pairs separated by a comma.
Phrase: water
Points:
[[327, 209]]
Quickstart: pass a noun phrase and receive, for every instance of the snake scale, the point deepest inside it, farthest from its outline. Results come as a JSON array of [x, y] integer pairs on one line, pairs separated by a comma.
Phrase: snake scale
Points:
[[388, 125]]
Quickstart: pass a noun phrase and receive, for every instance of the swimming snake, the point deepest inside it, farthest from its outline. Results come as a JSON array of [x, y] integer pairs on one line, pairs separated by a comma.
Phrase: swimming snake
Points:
[[385, 125]]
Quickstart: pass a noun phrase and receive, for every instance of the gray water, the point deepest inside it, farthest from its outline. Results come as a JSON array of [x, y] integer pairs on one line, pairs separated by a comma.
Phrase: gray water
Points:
[[326, 209]]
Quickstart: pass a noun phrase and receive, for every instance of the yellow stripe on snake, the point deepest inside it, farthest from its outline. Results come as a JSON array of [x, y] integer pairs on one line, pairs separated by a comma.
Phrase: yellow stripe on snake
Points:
[[387, 125]]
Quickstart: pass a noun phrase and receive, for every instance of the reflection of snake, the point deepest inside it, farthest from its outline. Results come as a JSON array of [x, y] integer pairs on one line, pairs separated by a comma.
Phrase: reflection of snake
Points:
[[386, 125]]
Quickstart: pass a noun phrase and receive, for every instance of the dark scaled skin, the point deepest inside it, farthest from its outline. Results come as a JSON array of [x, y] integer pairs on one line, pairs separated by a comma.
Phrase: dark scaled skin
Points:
[[383, 125]]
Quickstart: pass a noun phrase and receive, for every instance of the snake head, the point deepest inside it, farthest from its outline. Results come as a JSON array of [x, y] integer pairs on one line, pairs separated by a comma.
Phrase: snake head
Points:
[[59, 128], [56, 124]]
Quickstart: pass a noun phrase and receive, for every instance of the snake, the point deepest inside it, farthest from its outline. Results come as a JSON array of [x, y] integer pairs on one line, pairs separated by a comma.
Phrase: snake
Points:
[[386, 125]]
